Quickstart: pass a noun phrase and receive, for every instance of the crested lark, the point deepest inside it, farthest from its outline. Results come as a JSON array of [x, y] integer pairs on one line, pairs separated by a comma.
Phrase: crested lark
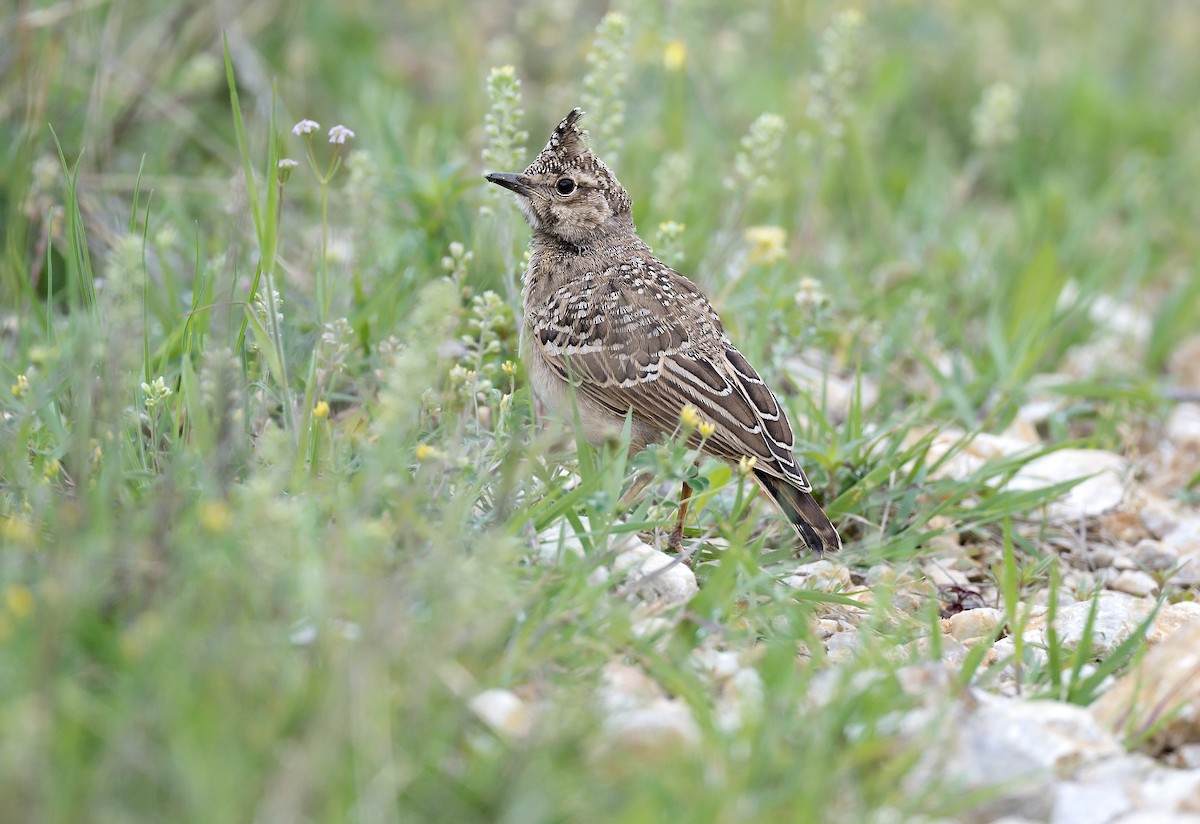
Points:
[[636, 337]]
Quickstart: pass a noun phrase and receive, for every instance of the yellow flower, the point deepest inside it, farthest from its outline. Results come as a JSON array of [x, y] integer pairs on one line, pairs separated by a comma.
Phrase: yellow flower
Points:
[[706, 428], [767, 244], [425, 452], [321, 410], [746, 464], [19, 600], [17, 531], [215, 516], [51, 469], [509, 368], [21, 386], [689, 416], [674, 55]]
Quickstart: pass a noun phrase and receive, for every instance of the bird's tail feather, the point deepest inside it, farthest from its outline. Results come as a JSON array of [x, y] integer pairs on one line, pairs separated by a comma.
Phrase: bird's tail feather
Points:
[[804, 512]]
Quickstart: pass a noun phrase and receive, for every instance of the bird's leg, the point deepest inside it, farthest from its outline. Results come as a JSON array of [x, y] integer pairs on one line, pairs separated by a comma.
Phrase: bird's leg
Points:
[[675, 540]]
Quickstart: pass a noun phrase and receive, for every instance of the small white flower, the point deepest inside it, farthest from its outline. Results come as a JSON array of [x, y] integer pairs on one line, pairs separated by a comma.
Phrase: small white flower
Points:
[[339, 134], [994, 118], [810, 295], [305, 127], [287, 163], [156, 392]]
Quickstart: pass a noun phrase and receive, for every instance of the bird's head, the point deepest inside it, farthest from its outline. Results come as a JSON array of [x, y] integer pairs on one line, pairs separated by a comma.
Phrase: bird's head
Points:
[[567, 192]]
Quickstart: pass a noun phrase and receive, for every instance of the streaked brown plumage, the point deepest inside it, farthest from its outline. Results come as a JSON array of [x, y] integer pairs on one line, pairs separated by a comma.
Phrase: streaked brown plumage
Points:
[[630, 333]]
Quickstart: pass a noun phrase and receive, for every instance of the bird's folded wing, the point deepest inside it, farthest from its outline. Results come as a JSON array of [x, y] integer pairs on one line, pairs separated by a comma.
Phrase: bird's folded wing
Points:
[[634, 356]]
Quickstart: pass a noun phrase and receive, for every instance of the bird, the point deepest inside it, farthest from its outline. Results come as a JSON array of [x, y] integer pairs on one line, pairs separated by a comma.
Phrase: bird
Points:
[[609, 327]]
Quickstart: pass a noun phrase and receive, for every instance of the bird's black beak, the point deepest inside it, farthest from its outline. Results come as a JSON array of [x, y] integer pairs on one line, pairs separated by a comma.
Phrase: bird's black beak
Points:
[[517, 183]]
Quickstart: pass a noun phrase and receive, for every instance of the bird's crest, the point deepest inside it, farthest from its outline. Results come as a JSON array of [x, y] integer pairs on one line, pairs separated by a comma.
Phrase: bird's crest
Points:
[[568, 149], [565, 148]]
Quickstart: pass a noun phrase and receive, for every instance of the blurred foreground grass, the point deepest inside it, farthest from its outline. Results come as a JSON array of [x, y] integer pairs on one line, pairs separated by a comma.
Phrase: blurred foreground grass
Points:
[[257, 554]]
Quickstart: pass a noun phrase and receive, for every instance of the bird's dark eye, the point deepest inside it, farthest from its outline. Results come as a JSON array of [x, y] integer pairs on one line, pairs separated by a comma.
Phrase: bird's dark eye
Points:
[[565, 186]]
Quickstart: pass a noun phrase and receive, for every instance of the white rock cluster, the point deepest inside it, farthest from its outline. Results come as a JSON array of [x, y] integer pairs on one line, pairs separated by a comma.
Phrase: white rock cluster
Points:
[[1127, 547]]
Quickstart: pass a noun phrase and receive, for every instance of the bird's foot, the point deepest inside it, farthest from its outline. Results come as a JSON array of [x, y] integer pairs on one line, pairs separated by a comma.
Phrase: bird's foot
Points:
[[675, 546]]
